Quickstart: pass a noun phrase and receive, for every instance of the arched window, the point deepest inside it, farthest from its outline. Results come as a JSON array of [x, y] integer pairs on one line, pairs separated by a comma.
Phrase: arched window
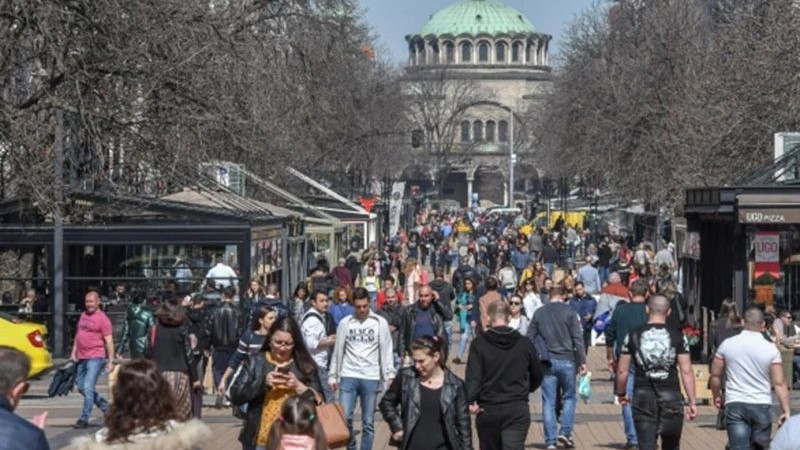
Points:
[[465, 131], [412, 54], [477, 131], [502, 131], [449, 52], [531, 53], [421, 56], [516, 52], [500, 52], [466, 52], [483, 52], [491, 127], [434, 52]]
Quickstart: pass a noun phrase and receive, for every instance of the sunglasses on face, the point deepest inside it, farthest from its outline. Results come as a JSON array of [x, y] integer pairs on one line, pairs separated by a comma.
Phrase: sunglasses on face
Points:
[[515, 303], [283, 343]]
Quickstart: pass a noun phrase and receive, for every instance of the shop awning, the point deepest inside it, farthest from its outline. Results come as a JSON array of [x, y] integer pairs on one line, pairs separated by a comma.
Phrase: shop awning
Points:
[[768, 208]]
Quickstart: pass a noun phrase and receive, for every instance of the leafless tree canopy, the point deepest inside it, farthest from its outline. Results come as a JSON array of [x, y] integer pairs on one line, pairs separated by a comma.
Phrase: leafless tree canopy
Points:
[[152, 88], [655, 97]]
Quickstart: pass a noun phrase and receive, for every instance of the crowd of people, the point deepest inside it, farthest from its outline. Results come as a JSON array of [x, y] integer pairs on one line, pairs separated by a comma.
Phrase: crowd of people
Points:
[[386, 328]]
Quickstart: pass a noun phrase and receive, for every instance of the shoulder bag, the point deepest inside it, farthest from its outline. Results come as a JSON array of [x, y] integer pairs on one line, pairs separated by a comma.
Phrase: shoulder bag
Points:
[[331, 418]]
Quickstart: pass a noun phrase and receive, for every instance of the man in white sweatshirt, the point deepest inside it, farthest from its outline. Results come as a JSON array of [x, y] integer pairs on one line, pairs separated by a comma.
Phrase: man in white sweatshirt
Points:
[[318, 338], [362, 359]]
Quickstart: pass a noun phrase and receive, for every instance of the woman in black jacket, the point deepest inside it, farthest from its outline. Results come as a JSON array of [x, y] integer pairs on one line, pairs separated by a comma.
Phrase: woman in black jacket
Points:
[[282, 369], [433, 402]]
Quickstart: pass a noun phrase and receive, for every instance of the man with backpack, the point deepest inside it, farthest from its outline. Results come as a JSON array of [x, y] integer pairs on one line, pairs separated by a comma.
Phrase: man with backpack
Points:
[[226, 327], [319, 335]]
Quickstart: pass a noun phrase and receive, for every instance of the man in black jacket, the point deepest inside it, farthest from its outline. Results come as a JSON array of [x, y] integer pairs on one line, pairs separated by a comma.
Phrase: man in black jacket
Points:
[[199, 326], [395, 315], [502, 370], [18, 433], [558, 325], [225, 331], [445, 295], [424, 318]]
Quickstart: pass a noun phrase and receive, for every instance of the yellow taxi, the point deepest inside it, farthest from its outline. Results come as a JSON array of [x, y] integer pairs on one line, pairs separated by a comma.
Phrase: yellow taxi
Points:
[[29, 338]]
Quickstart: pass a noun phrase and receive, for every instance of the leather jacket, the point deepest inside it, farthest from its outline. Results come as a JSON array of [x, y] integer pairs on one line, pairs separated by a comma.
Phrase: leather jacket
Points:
[[405, 392], [395, 316], [436, 320], [250, 387], [136, 330]]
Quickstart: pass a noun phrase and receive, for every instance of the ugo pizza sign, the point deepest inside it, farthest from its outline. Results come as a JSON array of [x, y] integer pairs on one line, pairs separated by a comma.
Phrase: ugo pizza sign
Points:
[[767, 253]]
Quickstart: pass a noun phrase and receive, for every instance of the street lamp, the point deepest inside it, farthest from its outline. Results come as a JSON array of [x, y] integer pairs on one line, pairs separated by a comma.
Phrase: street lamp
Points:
[[512, 159]]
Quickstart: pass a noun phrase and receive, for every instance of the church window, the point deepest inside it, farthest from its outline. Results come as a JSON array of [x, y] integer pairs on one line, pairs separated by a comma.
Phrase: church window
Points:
[[491, 127], [477, 131], [502, 131], [516, 52], [500, 52], [434, 52], [483, 52], [466, 52], [449, 52], [465, 131]]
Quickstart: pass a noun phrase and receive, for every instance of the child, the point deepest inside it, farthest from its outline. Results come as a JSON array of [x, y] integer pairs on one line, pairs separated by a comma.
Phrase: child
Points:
[[297, 428]]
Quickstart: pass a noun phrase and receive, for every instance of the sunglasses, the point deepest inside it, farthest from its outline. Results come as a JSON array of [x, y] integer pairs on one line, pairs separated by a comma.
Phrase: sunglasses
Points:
[[515, 303]]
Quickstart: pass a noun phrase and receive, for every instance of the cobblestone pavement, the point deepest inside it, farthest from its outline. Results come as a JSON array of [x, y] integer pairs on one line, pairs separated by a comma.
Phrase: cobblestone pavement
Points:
[[598, 424]]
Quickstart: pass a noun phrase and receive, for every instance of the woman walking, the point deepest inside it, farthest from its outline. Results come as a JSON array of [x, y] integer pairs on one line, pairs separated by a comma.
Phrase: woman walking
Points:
[[464, 303], [299, 304], [518, 320], [413, 280], [433, 402], [143, 415], [251, 342], [172, 353], [282, 370]]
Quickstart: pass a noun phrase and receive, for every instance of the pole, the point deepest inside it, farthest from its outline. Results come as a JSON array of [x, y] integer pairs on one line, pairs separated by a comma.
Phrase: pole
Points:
[[511, 162], [58, 239]]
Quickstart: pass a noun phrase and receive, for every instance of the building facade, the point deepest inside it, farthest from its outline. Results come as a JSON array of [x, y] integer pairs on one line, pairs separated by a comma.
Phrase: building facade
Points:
[[475, 73]]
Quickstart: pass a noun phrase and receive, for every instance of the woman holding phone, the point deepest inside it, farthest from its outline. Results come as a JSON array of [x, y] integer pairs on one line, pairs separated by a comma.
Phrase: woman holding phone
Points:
[[283, 369]]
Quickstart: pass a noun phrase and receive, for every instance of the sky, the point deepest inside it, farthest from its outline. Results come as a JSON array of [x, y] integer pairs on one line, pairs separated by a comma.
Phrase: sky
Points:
[[392, 20]]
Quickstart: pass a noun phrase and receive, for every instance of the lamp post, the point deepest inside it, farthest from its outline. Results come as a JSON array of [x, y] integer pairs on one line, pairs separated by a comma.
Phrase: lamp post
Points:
[[512, 158]]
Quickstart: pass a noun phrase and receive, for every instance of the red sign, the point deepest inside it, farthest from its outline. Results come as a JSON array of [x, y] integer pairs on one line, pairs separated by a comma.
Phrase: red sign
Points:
[[367, 202], [768, 253]]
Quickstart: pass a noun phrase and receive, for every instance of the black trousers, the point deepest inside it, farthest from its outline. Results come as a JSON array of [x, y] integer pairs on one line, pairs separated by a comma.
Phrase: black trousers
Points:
[[658, 414], [503, 427]]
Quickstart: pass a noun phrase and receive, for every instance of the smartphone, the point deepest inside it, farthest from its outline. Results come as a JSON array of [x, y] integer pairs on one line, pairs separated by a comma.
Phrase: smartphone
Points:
[[283, 370]]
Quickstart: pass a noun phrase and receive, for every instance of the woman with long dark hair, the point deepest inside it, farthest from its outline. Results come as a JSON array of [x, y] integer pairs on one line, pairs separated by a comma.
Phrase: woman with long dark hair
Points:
[[143, 414], [422, 422], [283, 369], [464, 302], [299, 303], [172, 352], [251, 342]]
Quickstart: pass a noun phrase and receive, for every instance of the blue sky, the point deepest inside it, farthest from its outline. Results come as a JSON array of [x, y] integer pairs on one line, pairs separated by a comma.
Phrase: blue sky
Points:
[[392, 20]]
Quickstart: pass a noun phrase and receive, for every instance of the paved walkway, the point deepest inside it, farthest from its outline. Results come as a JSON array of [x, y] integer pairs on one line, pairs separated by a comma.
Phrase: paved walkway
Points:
[[598, 425]]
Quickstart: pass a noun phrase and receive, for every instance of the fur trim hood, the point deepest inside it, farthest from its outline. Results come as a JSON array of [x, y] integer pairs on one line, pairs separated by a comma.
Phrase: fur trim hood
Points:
[[177, 436]]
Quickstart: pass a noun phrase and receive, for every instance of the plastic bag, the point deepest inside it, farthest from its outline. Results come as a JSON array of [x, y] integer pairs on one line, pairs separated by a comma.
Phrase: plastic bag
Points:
[[585, 387]]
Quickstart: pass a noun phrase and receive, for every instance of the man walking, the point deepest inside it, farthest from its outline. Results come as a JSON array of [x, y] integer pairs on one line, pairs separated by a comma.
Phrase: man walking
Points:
[[93, 350], [319, 338], [445, 296], [752, 367], [480, 308], [362, 359], [627, 317], [225, 330], [17, 433], [657, 351], [590, 277], [395, 315], [424, 318], [502, 370], [585, 306], [557, 324]]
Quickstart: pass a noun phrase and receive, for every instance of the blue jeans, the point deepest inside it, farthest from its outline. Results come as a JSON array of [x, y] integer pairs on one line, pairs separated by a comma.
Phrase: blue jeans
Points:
[[549, 267], [367, 391], [749, 426], [448, 330], [462, 346], [561, 375], [88, 371], [327, 392], [603, 274], [627, 411]]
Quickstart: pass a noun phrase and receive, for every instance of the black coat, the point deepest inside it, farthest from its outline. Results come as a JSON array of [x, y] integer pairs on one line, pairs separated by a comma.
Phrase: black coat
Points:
[[250, 387], [437, 320], [405, 392]]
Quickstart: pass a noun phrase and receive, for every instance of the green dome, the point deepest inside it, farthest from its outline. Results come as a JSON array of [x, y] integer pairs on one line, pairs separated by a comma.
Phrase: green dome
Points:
[[474, 17]]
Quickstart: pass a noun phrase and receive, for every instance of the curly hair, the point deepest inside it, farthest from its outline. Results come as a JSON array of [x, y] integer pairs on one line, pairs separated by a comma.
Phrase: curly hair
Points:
[[143, 401]]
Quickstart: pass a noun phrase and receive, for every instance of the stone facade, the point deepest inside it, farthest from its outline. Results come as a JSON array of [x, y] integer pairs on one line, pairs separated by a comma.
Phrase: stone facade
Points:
[[496, 51]]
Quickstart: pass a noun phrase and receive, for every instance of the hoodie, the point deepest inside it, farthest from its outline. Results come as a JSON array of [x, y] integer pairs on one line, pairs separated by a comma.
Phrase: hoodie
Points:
[[503, 368]]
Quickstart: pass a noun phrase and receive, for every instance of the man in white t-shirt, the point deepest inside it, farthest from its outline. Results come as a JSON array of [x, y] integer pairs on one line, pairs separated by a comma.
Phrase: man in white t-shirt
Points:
[[362, 359], [317, 339], [222, 275], [752, 366]]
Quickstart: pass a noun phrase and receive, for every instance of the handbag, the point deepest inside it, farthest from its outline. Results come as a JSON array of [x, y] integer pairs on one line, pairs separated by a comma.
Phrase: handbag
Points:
[[331, 417]]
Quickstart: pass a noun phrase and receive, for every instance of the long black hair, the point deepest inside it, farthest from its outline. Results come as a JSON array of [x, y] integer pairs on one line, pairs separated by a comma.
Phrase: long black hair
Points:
[[300, 354]]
